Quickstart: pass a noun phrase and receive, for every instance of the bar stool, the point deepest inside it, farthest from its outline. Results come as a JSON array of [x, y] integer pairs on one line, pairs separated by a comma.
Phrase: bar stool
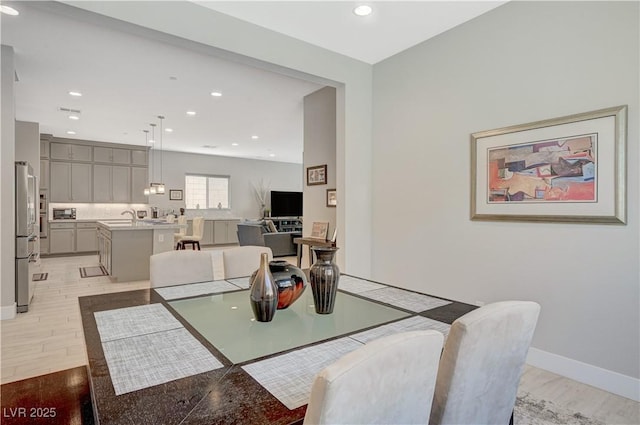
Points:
[[195, 238], [182, 220]]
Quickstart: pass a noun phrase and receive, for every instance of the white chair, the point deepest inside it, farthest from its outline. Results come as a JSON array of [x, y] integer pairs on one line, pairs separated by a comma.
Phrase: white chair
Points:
[[243, 260], [182, 220], [387, 381], [180, 267], [195, 237], [482, 362]]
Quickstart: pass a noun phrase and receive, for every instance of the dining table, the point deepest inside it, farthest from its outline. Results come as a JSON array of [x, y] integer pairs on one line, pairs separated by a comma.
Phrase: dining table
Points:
[[194, 353]]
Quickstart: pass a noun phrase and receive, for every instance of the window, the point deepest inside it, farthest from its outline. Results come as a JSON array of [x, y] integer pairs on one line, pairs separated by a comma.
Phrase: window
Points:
[[202, 191]]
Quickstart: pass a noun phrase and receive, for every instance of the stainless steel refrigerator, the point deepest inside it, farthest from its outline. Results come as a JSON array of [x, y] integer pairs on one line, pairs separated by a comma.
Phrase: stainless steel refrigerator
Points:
[[26, 234]]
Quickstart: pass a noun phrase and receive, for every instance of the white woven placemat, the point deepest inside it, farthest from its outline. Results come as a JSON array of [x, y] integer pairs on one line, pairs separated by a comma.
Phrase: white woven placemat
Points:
[[195, 289], [147, 360], [289, 377], [356, 285], [241, 282], [415, 323], [134, 321], [411, 301]]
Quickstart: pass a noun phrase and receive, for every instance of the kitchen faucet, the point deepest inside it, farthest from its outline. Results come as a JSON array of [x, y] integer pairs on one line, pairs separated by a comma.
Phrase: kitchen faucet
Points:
[[133, 215]]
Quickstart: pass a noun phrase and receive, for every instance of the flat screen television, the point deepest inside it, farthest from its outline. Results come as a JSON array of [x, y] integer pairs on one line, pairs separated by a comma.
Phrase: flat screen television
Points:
[[286, 204]]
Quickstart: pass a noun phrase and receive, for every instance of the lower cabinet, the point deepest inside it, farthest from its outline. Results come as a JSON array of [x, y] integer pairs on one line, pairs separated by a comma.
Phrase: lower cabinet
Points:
[[225, 231], [217, 232], [104, 248], [69, 238], [86, 237], [62, 238]]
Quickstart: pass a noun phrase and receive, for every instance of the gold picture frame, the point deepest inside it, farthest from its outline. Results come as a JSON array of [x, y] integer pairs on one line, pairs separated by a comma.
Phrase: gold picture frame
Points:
[[570, 169]]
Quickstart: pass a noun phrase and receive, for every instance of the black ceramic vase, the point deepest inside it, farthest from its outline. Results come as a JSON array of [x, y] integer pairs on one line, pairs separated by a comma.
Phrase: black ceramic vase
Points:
[[290, 280], [324, 277], [264, 292]]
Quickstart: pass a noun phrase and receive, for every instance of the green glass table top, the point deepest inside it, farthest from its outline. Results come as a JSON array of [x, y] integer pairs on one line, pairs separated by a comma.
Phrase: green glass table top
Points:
[[227, 322]]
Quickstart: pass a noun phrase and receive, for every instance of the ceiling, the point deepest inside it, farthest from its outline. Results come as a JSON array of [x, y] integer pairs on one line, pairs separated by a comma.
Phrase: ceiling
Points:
[[127, 81]]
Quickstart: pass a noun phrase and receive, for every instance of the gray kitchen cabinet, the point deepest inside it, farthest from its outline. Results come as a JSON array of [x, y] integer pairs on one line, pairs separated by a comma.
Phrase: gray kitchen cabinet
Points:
[[70, 152], [207, 236], [111, 155], [44, 174], [139, 157], [225, 232], [70, 182], [86, 237], [139, 181], [111, 183], [44, 149], [62, 238], [104, 248]]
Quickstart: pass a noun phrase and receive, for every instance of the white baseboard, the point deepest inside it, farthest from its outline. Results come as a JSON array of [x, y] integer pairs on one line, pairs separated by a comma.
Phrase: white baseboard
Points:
[[607, 380], [8, 312]]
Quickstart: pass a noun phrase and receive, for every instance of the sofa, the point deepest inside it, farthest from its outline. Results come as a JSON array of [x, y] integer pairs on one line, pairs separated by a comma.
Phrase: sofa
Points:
[[264, 233]]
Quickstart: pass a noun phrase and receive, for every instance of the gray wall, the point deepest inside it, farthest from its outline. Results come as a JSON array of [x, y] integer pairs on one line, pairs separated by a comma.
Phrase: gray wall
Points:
[[244, 173], [522, 62], [7, 188], [319, 149]]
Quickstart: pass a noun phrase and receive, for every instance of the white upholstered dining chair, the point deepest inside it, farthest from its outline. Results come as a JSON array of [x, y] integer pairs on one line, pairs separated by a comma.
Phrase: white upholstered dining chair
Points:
[[180, 267], [242, 261], [482, 362], [387, 381]]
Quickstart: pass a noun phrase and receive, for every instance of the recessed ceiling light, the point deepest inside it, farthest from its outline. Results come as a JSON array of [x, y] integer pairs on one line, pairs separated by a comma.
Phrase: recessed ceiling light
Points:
[[363, 10], [74, 117], [151, 141], [169, 130], [272, 155], [255, 137], [216, 94], [235, 144], [9, 11], [75, 93], [71, 132], [192, 113]]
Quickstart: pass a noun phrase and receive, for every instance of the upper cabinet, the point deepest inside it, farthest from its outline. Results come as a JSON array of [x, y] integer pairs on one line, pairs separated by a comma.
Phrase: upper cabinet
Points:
[[139, 157], [96, 172], [44, 149], [111, 155], [70, 152]]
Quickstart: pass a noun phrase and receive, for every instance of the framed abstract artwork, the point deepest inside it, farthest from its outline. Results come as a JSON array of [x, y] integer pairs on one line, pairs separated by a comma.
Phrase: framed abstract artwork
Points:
[[568, 169]]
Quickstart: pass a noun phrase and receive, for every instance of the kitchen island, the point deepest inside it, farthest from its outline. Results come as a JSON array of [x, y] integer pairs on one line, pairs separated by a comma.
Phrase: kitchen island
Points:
[[124, 247]]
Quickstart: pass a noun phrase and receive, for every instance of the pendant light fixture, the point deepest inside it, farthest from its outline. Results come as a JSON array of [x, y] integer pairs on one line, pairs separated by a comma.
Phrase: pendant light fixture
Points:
[[152, 186], [160, 187], [147, 190]]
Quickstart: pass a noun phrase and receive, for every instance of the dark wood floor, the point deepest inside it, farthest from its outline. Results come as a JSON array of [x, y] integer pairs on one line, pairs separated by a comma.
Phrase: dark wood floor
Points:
[[57, 398]]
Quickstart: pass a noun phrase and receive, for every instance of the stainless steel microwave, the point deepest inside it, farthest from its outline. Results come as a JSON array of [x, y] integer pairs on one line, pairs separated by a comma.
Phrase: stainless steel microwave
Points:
[[64, 213]]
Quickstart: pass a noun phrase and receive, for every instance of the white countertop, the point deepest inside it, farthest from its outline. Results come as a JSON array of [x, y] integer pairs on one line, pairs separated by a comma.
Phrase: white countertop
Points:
[[139, 225]]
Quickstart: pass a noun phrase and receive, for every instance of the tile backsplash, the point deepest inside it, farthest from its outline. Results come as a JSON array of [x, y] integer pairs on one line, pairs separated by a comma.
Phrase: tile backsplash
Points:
[[90, 211]]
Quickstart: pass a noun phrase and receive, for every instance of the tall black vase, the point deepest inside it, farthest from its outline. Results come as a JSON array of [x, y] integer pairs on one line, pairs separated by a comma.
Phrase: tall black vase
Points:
[[264, 292], [324, 276]]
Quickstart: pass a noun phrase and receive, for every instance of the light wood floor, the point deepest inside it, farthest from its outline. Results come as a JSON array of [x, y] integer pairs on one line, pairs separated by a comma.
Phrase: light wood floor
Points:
[[49, 338]]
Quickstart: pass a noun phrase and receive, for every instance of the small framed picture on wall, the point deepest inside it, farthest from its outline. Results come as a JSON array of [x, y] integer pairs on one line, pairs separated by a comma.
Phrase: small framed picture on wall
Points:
[[175, 195], [332, 198], [317, 175]]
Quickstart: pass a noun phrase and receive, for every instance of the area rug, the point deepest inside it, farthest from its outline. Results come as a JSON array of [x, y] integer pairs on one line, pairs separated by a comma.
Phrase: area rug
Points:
[[530, 411], [37, 277], [93, 271]]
